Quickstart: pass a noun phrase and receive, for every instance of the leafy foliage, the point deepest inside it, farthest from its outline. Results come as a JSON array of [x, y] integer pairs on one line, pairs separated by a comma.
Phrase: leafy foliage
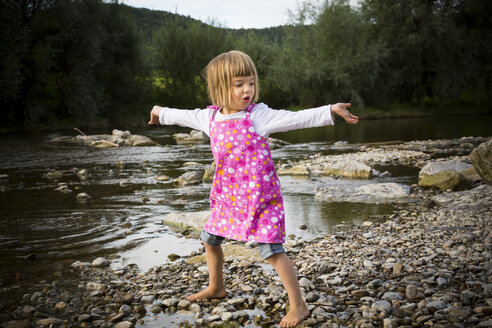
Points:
[[82, 61]]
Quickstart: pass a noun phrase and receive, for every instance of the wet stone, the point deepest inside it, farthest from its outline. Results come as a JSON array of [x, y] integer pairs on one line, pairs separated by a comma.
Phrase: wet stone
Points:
[[360, 293], [382, 306], [411, 292], [147, 299], [124, 324], [84, 317], [124, 298], [391, 296], [125, 310]]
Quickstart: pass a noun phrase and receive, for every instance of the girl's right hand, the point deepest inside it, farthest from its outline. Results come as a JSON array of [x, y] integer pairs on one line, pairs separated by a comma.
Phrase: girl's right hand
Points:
[[154, 115]]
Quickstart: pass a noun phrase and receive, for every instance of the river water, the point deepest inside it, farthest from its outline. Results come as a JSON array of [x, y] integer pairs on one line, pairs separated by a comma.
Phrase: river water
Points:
[[43, 231]]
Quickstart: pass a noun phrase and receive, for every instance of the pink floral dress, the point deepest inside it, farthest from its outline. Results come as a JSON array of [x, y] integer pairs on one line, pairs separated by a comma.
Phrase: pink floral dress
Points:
[[245, 200]]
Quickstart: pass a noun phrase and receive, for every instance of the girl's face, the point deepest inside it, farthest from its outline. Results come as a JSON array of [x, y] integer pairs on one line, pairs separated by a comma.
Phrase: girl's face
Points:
[[243, 92]]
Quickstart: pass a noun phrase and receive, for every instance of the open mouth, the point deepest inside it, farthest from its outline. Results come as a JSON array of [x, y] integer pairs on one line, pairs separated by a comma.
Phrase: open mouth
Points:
[[246, 99]]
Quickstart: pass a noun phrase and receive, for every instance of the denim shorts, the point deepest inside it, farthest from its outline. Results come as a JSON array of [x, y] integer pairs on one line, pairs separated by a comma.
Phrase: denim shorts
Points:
[[266, 250]]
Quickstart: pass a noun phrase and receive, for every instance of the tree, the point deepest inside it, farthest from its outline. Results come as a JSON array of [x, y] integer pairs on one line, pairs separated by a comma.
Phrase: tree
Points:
[[331, 59], [182, 54]]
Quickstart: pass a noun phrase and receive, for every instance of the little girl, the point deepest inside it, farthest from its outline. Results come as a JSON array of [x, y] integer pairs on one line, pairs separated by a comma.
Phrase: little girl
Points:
[[246, 202]]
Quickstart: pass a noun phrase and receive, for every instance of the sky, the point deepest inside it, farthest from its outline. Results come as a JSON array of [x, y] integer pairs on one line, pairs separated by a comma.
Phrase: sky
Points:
[[228, 13]]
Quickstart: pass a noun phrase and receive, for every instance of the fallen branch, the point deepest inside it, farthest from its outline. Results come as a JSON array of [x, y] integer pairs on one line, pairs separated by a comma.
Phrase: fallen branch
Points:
[[82, 133]]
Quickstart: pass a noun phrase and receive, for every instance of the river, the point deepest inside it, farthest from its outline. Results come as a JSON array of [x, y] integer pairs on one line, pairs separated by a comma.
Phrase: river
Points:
[[43, 231]]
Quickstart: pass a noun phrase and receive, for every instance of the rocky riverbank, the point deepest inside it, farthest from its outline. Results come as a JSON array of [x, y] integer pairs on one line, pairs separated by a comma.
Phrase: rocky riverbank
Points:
[[428, 265]]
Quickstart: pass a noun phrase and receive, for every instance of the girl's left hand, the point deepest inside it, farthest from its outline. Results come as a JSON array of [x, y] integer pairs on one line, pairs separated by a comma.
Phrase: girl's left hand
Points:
[[341, 110], [154, 115]]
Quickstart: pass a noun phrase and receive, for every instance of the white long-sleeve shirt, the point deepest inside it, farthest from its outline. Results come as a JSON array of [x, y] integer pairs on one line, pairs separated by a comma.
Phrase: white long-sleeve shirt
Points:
[[265, 119]]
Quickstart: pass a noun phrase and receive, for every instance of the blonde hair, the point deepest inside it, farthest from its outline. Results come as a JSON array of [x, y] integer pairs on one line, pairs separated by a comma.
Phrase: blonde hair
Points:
[[220, 72]]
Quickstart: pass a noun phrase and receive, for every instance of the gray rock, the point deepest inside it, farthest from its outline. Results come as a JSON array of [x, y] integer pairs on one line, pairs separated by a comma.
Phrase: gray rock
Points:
[[443, 180], [432, 168], [183, 304], [304, 282], [411, 292], [295, 170], [156, 308], [194, 308], [125, 309], [388, 323], [196, 220], [141, 141], [360, 293], [312, 297], [391, 296], [226, 316], [194, 137], [81, 265], [384, 191], [147, 299], [83, 197], [189, 178], [121, 134], [84, 317], [348, 168], [100, 262], [382, 306], [435, 305], [124, 324], [457, 314], [482, 160], [122, 297], [173, 301]]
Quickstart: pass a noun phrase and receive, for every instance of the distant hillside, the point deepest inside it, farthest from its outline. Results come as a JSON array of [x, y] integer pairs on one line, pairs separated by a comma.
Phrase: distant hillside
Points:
[[151, 20]]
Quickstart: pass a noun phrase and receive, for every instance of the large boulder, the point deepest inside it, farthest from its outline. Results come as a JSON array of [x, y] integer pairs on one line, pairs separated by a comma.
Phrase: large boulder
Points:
[[432, 168], [195, 220], [482, 160], [368, 193], [443, 180], [384, 191], [348, 169], [444, 175]]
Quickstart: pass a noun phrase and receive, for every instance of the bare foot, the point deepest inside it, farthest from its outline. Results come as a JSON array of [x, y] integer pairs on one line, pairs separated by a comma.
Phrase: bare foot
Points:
[[208, 293], [294, 317]]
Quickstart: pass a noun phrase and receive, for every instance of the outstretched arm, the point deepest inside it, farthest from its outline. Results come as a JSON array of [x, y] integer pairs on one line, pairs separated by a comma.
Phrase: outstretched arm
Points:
[[197, 119], [340, 109]]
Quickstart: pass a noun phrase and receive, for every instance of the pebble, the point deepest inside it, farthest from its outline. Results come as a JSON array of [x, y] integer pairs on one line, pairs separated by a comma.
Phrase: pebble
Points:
[[125, 309], [100, 262], [391, 296], [124, 324], [382, 306]]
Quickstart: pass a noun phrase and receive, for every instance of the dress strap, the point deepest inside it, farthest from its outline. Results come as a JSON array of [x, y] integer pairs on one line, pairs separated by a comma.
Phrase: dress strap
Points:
[[215, 110], [249, 109]]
